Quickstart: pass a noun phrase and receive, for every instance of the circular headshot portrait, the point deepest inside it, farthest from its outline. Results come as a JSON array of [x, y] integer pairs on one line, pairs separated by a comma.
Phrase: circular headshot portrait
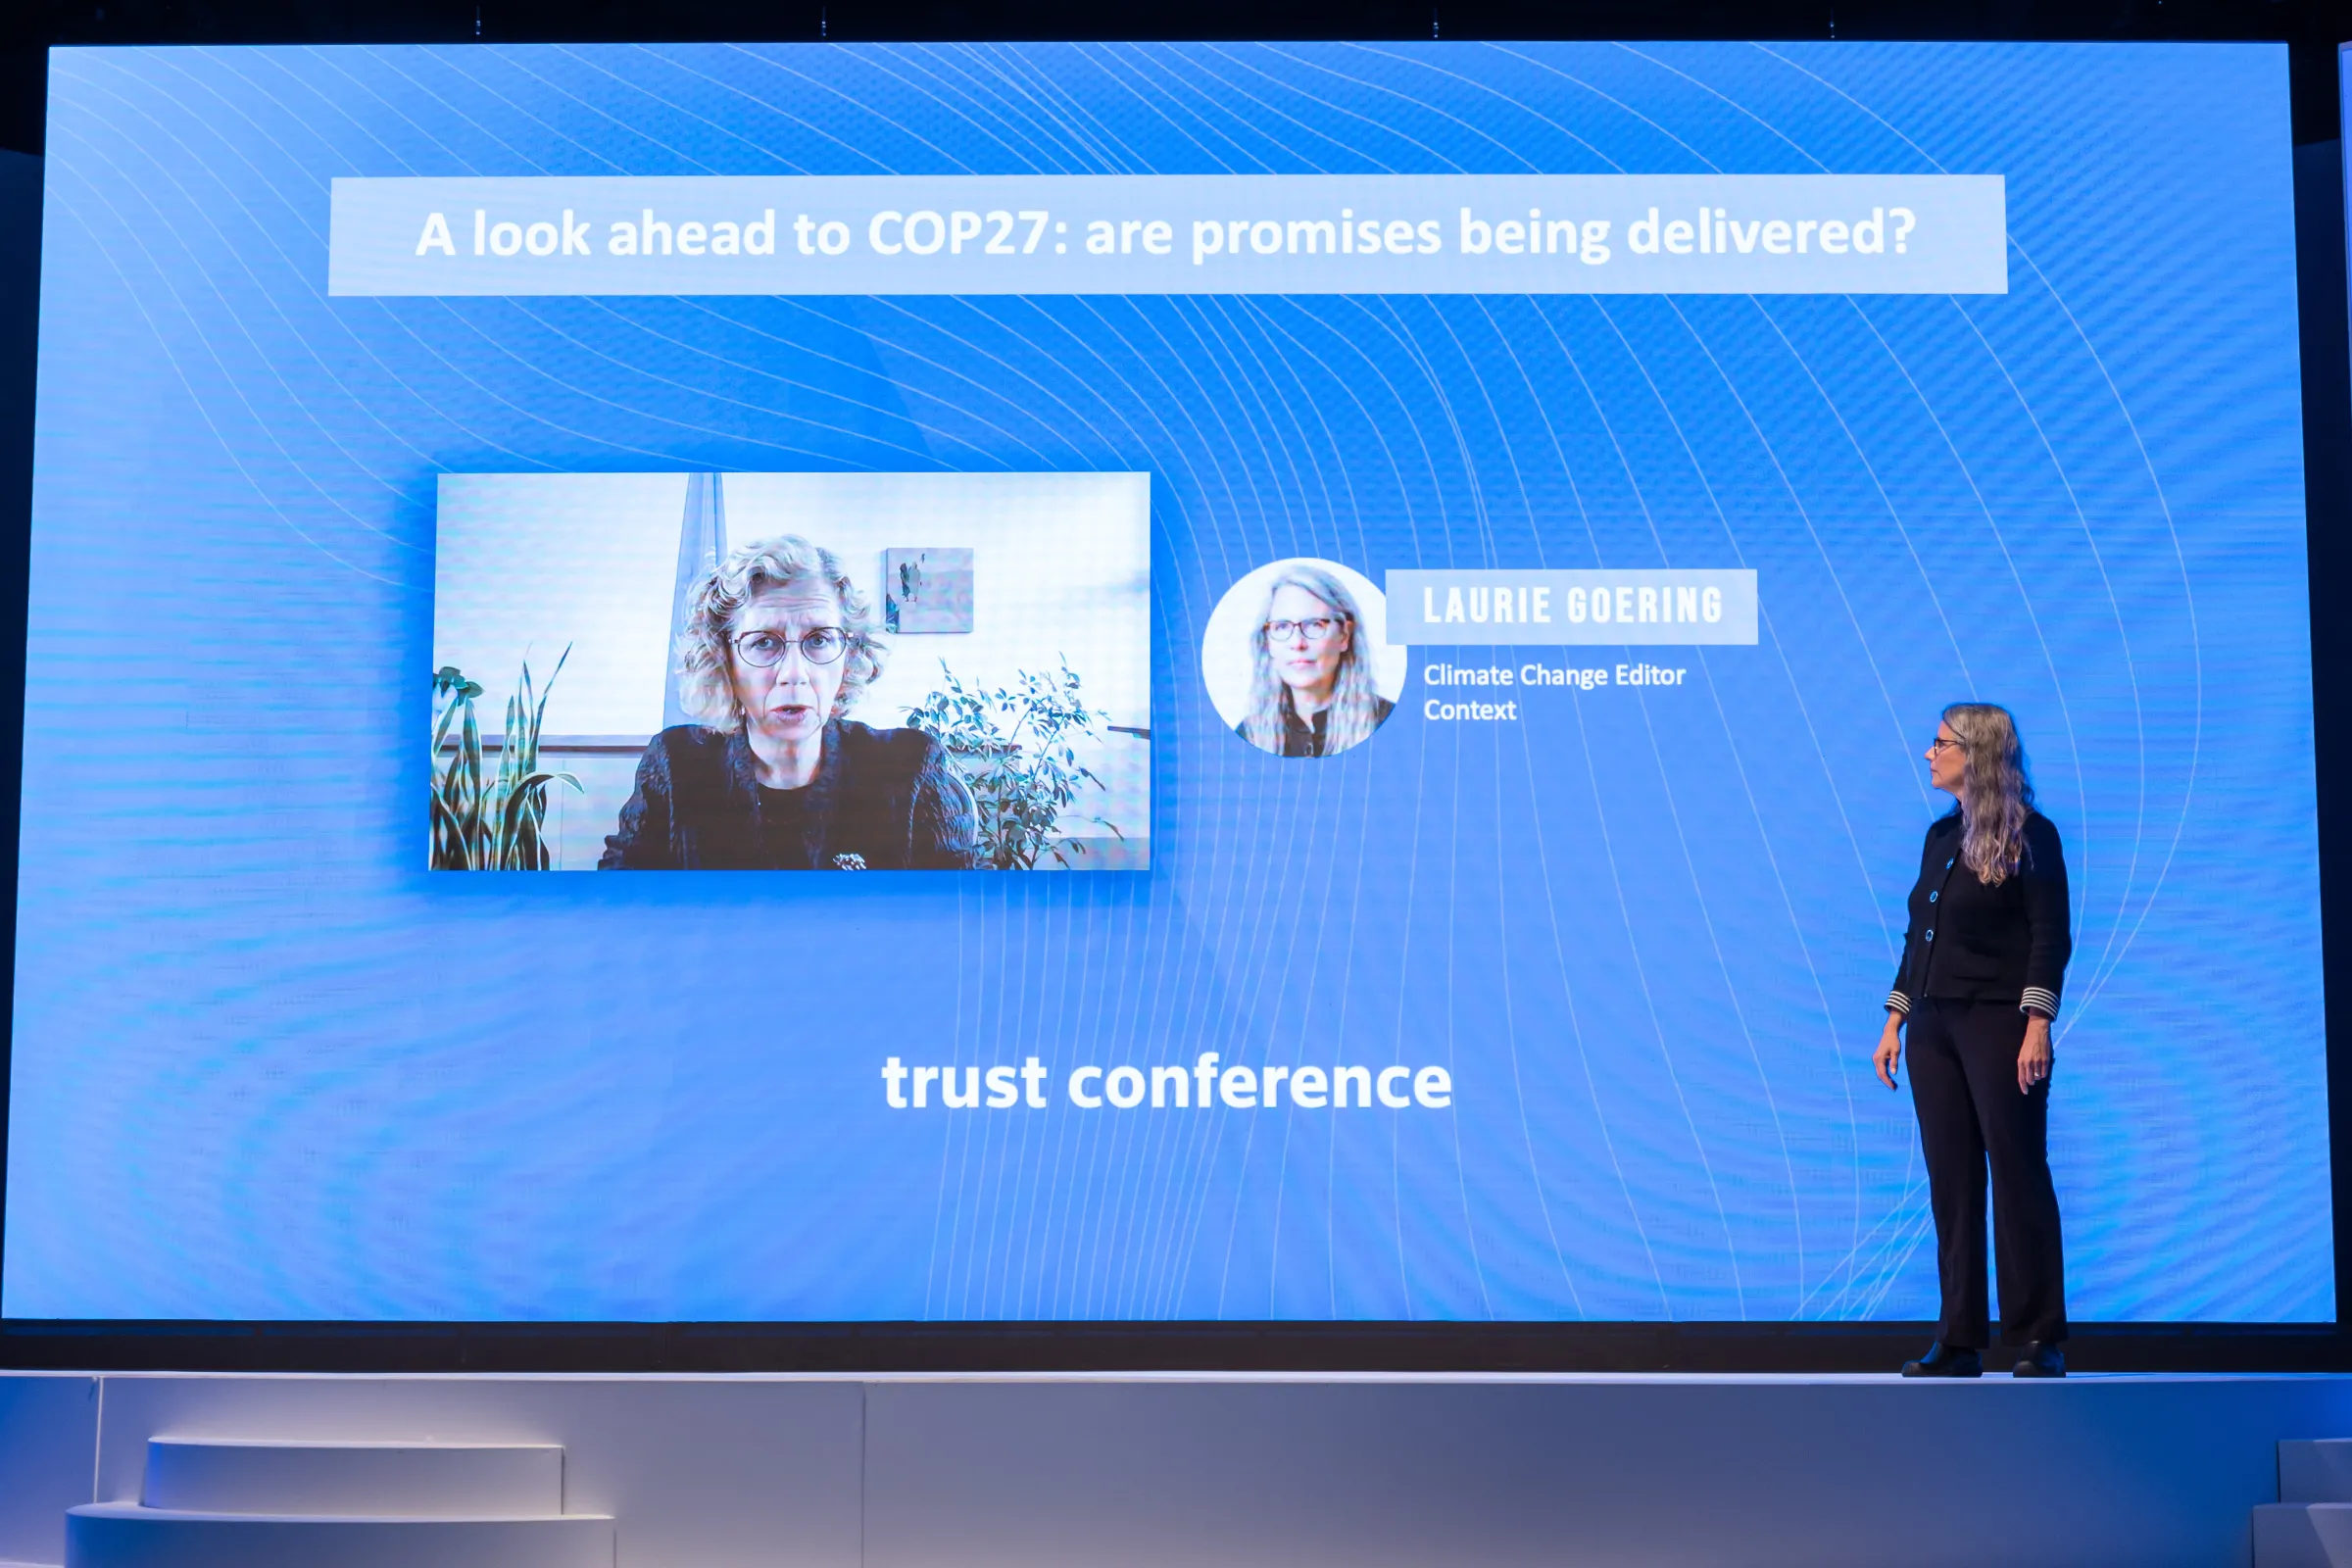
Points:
[[1297, 658]]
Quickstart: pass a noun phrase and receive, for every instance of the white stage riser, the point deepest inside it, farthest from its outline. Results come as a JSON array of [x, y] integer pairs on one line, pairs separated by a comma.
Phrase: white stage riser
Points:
[[2316, 1472], [892, 1472], [127, 1537], [2303, 1534], [435, 1481]]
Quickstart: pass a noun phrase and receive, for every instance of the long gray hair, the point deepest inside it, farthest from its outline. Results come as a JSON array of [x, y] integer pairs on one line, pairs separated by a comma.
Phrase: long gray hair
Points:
[[1356, 693], [1996, 796], [705, 673]]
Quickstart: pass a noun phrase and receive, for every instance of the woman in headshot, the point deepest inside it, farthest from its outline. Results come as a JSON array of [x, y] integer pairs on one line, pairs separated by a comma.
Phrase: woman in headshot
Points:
[[1982, 964], [1311, 687], [778, 646]]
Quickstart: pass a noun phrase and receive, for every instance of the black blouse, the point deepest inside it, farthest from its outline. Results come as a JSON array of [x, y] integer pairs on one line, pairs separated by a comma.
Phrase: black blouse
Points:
[[1305, 739], [883, 799], [1972, 942]]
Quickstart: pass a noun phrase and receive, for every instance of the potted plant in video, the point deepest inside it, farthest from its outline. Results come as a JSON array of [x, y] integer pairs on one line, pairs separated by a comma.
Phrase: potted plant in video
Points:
[[1016, 749], [498, 824]]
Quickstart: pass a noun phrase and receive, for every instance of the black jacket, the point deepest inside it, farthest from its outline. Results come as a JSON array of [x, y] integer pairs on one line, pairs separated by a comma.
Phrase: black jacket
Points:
[[1973, 942], [883, 799], [1306, 739]]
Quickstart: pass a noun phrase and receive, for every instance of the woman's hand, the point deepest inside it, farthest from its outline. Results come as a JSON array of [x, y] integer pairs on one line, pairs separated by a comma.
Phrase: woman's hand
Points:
[[2033, 1057], [1889, 1054]]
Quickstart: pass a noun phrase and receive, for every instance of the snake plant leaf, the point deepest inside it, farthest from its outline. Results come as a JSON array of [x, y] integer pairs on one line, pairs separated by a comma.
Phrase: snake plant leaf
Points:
[[448, 716], [539, 714], [480, 824]]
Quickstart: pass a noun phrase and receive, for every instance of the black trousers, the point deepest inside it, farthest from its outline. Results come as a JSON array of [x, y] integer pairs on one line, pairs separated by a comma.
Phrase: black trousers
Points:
[[1963, 1057]]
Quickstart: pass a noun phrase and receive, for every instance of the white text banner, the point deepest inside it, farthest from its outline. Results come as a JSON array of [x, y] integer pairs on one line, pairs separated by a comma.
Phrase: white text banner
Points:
[[1172, 234], [1527, 608]]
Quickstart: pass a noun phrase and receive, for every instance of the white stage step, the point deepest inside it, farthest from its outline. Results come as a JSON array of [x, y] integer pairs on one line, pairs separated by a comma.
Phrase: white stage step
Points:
[[434, 1481], [2318, 1471], [123, 1535], [210, 1503], [2303, 1534]]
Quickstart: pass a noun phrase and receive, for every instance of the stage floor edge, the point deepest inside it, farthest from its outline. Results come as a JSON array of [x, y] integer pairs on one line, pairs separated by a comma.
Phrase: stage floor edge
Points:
[[910, 1470]]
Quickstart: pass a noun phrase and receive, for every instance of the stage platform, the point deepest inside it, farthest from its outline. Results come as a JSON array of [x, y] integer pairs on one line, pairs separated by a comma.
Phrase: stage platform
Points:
[[927, 1471]]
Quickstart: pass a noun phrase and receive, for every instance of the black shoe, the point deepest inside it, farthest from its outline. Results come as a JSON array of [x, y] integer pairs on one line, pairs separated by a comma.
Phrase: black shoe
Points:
[[1946, 1361], [2042, 1360]]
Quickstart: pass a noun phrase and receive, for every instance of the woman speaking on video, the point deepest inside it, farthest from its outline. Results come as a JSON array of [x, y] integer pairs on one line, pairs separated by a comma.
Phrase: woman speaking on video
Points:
[[1312, 692], [778, 646], [1982, 964]]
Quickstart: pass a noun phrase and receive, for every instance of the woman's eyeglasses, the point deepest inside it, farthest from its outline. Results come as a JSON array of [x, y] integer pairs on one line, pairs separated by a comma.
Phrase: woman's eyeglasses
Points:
[[1936, 746], [1320, 629], [821, 646]]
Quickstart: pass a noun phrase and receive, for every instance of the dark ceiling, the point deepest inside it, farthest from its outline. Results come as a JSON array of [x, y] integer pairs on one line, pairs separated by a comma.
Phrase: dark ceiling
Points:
[[2313, 29]]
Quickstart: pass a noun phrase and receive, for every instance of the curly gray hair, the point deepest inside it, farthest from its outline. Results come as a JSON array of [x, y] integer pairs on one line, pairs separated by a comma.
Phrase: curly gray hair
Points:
[[1996, 796], [706, 675]]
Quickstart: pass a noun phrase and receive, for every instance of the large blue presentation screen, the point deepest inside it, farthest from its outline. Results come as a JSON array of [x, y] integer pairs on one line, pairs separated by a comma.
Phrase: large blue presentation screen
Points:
[[1369, 613]]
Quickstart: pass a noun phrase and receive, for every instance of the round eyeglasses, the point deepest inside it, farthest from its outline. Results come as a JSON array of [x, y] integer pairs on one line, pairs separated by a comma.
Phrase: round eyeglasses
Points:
[[1320, 629], [821, 645]]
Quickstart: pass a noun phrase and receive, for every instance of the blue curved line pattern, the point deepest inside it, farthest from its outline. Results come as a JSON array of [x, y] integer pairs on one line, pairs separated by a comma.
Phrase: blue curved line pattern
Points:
[[272, 1071]]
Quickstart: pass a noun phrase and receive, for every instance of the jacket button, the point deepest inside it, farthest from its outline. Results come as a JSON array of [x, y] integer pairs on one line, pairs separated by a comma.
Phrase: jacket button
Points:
[[1931, 936], [1947, 866], [1932, 897]]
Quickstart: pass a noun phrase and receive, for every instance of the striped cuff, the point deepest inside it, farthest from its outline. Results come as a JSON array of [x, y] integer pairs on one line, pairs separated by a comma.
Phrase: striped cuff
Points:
[[2039, 999], [1896, 1002]]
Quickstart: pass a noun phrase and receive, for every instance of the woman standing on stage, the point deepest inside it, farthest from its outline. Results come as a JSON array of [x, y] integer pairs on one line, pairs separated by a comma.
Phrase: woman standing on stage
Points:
[[1979, 984]]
